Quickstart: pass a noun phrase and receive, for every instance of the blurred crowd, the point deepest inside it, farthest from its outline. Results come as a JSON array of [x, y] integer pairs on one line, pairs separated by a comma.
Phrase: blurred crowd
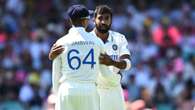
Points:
[[161, 37]]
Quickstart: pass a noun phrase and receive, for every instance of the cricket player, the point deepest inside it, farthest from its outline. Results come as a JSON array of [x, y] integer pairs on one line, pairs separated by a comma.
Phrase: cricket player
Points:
[[117, 58], [75, 70]]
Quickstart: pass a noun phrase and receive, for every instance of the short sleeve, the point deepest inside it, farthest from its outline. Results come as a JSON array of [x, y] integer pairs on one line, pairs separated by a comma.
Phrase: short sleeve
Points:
[[124, 46]]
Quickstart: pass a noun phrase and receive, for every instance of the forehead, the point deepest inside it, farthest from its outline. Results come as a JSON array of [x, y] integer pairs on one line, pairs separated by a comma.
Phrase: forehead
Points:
[[103, 15]]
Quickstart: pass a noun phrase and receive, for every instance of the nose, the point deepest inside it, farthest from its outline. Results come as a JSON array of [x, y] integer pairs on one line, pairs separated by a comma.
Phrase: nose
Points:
[[102, 21]]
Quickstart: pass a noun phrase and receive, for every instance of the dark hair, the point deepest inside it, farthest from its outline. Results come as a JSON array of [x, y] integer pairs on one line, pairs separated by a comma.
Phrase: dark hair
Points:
[[103, 9], [77, 13]]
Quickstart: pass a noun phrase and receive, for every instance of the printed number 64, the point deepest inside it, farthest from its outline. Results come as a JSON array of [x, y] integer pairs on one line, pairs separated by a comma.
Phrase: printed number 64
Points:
[[86, 59]]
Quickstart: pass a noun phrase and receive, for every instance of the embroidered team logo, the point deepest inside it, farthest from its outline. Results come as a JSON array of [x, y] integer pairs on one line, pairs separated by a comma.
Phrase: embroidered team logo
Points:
[[114, 47]]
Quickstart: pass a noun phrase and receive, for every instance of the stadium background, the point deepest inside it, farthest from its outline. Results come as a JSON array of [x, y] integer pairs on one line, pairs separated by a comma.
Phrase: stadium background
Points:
[[161, 37]]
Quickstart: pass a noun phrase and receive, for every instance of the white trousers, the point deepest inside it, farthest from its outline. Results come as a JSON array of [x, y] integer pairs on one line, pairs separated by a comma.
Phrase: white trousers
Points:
[[111, 98], [77, 96]]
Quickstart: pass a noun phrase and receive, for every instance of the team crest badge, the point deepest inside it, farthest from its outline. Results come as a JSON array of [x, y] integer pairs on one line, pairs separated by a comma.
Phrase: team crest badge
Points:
[[114, 47]]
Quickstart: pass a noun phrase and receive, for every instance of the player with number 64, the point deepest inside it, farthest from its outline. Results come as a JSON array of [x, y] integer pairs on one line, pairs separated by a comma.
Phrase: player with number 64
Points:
[[75, 70]]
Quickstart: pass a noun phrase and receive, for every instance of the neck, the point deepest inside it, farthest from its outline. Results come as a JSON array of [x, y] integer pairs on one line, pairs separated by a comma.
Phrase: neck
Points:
[[102, 36]]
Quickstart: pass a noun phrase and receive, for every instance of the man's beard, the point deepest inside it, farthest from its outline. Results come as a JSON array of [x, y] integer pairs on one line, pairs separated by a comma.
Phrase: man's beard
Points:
[[103, 30]]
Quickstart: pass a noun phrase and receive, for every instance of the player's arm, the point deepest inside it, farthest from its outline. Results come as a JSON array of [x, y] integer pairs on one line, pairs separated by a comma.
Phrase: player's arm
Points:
[[124, 53], [105, 72], [56, 73], [121, 64], [55, 51], [124, 61]]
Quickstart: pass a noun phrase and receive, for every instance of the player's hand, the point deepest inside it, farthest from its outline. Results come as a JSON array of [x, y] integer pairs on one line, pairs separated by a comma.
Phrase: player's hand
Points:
[[55, 51], [105, 59]]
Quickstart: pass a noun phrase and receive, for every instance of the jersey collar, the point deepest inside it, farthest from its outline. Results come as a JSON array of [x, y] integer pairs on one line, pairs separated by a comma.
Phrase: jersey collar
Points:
[[110, 37], [76, 29]]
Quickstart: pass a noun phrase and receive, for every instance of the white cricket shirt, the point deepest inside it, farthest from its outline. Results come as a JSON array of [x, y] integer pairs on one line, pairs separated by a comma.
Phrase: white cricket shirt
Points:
[[115, 47], [80, 59]]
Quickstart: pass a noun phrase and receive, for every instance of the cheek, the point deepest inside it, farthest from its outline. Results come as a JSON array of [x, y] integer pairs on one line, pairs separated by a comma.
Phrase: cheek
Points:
[[110, 22], [97, 22]]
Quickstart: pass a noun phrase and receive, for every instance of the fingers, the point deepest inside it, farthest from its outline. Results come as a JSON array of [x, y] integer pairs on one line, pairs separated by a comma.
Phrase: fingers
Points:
[[101, 58], [57, 50], [101, 61], [103, 55], [57, 47], [53, 46]]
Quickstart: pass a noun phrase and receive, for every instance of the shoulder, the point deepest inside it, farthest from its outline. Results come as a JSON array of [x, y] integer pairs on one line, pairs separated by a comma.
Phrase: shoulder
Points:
[[96, 39], [117, 36], [62, 40], [92, 32]]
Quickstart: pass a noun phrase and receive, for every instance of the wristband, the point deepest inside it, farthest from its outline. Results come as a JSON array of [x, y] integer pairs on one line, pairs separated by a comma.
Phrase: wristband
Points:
[[128, 64]]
